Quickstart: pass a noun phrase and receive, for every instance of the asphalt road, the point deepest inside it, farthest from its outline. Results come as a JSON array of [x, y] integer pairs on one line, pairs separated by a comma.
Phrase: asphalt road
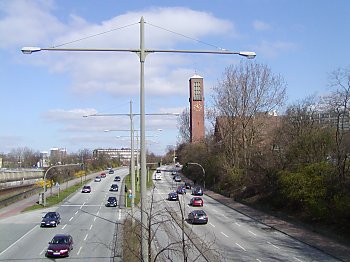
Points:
[[84, 216], [230, 235]]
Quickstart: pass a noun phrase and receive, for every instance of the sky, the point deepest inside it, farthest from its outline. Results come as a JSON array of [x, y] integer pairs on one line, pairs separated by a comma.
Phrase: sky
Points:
[[45, 95]]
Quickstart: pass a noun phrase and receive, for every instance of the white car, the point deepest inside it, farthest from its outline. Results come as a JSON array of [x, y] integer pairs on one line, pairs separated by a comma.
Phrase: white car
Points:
[[97, 179], [158, 176]]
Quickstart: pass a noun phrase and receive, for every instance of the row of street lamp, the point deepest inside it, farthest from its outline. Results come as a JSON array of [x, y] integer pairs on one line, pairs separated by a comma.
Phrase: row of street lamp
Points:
[[142, 53]]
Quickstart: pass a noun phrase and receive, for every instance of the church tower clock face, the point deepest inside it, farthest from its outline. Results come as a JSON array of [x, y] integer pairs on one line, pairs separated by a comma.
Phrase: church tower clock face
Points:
[[197, 107]]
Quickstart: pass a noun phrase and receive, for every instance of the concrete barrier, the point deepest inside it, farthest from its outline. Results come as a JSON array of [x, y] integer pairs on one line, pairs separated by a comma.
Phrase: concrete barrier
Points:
[[9, 175]]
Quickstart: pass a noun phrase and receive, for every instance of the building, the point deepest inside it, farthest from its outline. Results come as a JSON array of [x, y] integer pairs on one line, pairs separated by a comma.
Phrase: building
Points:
[[197, 129], [123, 154]]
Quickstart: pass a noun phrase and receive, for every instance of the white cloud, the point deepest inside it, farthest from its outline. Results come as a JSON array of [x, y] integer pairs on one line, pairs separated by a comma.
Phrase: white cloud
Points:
[[274, 49], [261, 25], [113, 73]]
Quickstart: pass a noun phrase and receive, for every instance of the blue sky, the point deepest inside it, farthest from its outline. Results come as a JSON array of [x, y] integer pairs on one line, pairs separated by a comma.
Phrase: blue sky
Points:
[[45, 95]]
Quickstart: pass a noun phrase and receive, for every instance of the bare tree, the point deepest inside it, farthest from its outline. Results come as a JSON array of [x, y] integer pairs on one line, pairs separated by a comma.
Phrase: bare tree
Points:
[[338, 103], [247, 92], [184, 126], [182, 240]]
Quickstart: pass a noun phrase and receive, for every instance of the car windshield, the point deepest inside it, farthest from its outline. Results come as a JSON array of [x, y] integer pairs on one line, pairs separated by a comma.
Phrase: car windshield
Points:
[[59, 240], [50, 215]]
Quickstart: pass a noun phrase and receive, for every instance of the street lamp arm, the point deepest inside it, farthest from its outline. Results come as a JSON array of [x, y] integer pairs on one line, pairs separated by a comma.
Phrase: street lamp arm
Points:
[[247, 54]]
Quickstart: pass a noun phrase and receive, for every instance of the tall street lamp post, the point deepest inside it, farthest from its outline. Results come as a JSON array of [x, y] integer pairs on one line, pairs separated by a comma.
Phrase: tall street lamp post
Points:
[[142, 53]]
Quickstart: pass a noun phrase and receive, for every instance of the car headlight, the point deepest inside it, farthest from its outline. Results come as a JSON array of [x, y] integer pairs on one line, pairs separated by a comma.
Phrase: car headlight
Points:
[[52, 222], [64, 250], [50, 250]]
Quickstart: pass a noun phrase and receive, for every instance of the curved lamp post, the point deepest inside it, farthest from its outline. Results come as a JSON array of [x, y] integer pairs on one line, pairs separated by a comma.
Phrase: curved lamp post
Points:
[[196, 164], [47, 171]]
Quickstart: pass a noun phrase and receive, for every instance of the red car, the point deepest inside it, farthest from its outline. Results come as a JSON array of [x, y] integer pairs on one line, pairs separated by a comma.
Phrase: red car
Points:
[[196, 202], [60, 246], [103, 175]]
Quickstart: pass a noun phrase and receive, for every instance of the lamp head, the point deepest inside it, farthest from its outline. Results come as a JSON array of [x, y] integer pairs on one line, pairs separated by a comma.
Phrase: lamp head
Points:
[[30, 49]]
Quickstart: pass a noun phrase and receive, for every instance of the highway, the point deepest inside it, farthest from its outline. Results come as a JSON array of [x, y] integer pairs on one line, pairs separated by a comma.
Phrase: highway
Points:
[[84, 216], [230, 235]]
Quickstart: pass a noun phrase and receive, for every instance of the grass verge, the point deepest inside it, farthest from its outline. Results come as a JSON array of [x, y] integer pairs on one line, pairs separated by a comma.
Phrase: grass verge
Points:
[[56, 198]]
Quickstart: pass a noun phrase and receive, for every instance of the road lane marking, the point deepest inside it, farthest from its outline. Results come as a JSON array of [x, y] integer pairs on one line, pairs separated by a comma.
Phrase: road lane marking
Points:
[[78, 205], [273, 245], [79, 250], [298, 259], [237, 224], [71, 219], [64, 226], [90, 227], [258, 260], [224, 234], [95, 219], [42, 251], [86, 237], [241, 246], [82, 205], [120, 214], [252, 233], [76, 212], [211, 224], [18, 240], [98, 212]]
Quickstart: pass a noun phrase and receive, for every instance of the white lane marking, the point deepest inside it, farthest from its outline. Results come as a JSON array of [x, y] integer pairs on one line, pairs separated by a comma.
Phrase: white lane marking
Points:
[[273, 245], [211, 224], [120, 214], [86, 237], [76, 212], [258, 260], [18, 240], [98, 212], [215, 210], [79, 205], [252, 233], [82, 205], [64, 226], [237, 224], [71, 219], [79, 250], [95, 219], [42, 251], [90, 227], [224, 234], [298, 259], [241, 246]]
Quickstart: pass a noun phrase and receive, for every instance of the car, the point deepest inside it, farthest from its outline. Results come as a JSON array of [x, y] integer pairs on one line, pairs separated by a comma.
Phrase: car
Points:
[[187, 185], [114, 187], [158, 175], [86, 189], [177, 179], [197, 191], [51, 219], [197, 217], [196, 201], [117, 178], [111, 171], [103, 175], [111, 202], [173, 196], [97, 179], [60, 246], [181, 190]]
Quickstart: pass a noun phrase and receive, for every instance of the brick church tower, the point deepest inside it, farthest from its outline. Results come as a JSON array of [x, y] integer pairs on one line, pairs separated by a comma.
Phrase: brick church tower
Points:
[[197, 130]]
